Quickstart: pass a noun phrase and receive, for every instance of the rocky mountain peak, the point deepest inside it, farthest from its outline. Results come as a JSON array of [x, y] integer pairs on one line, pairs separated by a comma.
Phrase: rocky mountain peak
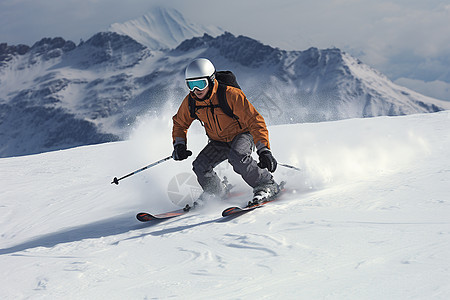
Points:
[[162, 28], [108, 48], [243, 50]]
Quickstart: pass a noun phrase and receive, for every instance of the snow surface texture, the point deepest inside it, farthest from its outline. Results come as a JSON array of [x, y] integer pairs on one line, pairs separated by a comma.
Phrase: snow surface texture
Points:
[[367, 218]]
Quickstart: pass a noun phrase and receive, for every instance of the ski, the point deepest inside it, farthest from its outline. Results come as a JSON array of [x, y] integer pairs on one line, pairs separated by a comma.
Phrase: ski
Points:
[[145, 217], [236, 210]]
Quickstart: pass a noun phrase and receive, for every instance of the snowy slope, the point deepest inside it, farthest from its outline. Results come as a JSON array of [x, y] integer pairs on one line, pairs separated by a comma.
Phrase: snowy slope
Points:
[[369, 219], [162, 28]]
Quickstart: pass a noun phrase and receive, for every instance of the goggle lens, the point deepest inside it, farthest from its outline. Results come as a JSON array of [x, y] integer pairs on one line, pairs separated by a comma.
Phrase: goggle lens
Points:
[[199, 84]]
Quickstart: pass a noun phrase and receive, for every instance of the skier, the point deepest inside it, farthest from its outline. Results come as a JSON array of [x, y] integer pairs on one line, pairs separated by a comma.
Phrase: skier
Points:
[[229, 138]]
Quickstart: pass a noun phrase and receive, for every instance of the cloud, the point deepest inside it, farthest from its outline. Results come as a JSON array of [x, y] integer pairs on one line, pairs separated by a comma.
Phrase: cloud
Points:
[[27, 21], [436, 89], [409, 41]]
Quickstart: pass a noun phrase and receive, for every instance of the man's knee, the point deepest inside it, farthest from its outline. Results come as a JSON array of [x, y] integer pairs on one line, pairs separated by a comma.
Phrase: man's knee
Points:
[[199, 166], [241, 150], [238, 157]]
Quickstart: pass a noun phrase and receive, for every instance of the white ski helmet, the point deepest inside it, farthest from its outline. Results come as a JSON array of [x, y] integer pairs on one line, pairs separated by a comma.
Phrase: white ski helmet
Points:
[[200, 68]]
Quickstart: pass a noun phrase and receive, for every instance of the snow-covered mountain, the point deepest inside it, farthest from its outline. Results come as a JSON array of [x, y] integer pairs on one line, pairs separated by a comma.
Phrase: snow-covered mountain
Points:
[[312, 85], [369, 219], [56, 94], [163, 28]]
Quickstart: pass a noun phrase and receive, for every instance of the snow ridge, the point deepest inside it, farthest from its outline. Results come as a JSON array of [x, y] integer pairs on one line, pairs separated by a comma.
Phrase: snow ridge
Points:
[[162, 28]]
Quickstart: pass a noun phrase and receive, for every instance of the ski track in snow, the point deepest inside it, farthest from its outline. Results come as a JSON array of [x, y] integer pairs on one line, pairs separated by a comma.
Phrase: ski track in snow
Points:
[[367, 218]]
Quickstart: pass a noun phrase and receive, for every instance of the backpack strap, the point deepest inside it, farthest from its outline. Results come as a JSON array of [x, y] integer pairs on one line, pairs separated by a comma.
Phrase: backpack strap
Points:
[[192, 107], [223, 103]]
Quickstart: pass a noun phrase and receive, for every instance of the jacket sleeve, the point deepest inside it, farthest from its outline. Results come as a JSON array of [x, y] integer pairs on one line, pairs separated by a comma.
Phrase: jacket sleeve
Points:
[[251, 118], [181, 122]]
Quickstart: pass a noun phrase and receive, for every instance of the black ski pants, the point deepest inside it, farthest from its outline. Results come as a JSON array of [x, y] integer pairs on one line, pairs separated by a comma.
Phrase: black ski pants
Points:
[[238, 152]]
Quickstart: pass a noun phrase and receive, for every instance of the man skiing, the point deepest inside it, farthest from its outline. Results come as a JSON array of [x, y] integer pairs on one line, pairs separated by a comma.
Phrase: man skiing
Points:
[[231, 138]]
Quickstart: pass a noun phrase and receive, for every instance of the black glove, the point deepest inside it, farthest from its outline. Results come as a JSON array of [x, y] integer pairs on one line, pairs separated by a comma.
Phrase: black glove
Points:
[[266, 160], [180, 152]]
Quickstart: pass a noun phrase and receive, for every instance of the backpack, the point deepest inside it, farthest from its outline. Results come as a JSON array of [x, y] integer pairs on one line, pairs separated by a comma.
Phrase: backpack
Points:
[[225, 78]]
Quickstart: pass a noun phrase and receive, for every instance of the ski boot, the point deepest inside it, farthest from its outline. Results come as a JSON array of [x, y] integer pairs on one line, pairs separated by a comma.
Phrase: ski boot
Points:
[[205, 195], [264, 193]]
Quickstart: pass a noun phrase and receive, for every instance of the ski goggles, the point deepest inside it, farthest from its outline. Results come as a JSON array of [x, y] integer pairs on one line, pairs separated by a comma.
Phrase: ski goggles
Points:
[[199, 84]]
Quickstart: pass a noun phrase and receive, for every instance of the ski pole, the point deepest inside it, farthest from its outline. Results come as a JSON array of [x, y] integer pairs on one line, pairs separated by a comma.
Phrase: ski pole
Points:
[[290, 167], [116, 180]]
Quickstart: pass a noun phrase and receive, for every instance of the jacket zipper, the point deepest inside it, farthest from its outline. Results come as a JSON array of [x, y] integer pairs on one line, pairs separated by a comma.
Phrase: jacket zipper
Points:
[[218, 124], [213, 119]]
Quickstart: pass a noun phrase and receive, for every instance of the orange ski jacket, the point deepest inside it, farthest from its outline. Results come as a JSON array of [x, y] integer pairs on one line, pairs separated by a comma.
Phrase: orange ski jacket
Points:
[[218, 125]]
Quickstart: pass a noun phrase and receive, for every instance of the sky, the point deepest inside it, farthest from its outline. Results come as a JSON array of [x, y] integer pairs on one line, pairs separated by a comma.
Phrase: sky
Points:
[[408, 40]]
